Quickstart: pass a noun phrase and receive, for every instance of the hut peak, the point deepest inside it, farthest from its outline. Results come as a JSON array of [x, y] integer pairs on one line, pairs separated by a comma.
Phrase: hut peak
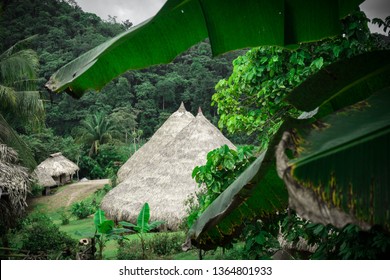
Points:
[[182, 108], [56, 154], [200, 113]]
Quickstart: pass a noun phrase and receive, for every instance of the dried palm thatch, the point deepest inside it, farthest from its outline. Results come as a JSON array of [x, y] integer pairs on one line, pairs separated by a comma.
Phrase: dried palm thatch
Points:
[[165, 134], [14, 186], [166, 182], [58, 167], [43, 178]]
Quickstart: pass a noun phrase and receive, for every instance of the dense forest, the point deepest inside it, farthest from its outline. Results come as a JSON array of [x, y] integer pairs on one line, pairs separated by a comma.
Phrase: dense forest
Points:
[[131, 107]]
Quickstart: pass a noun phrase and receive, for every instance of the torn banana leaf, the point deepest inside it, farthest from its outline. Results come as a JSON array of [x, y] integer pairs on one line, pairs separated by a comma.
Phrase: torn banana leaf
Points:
[[341, 173]]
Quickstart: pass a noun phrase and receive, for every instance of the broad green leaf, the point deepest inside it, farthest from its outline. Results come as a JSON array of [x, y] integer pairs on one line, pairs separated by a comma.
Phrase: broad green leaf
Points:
[[106, 227], [229, 24], [127, 224], [250, 196], [155, 224], [101, 223], [343, 163], [99, 217], [343, 83], [143, 219]]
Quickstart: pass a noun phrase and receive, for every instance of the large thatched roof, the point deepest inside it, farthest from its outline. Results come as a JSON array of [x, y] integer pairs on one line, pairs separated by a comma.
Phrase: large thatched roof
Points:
[[56, 165], [166, 182], [14, 186], [165, 134]]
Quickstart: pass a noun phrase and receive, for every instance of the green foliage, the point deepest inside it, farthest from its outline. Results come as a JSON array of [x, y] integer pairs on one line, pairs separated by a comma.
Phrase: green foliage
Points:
[[254, 23], [40, 234], [64, 218], [222, 167], [105, 231], [82, 209], [261, 238], [253, 98], [36, 190], [143, 225], [130, 250], [163, 244]]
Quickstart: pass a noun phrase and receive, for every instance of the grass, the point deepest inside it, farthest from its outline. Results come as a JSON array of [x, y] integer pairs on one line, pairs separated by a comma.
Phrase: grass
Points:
[[85, 228]]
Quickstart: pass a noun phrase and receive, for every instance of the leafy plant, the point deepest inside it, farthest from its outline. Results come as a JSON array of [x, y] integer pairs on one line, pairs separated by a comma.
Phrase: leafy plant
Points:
[[105, 230], [40, 234], [82, 209], [222, 167], [164, 243], [143, 226]]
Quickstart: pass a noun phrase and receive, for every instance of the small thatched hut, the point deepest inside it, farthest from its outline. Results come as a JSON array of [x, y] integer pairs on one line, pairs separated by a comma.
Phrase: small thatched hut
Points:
[[14, 186], [58, 167], [165, 134], [166, 182]]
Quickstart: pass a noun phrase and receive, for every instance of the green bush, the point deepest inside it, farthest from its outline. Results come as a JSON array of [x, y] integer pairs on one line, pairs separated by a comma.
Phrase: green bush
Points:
[[166, 243], [40, 234], [64, 218], [36, 190], [82, 209], [130, 250]]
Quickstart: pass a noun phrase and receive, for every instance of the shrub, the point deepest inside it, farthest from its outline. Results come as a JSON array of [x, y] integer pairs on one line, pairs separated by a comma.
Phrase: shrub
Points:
[[40, 234], [82, 209], [64, 218], [130, 250], [36, 190], [166, 243]]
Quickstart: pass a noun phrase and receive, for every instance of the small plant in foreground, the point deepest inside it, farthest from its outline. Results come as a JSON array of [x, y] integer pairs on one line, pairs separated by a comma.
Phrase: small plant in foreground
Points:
[[143, 226], [105, 230]]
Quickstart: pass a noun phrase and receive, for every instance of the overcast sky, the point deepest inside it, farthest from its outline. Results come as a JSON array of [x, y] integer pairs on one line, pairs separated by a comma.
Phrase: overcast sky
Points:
[[139, 10]]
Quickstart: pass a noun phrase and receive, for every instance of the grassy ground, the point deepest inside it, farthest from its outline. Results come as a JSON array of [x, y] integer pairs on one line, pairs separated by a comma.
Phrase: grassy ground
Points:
[[58, 205]]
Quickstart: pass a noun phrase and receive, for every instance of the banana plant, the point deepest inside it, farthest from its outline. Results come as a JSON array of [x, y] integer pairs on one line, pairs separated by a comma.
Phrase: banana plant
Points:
[[229, 25], [143, 226], [105, 230], [366, 200]]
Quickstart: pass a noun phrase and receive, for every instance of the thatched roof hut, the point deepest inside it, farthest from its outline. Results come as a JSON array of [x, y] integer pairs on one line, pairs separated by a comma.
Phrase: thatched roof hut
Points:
[[14, 186], [166, 182], [58, 167], [165, 134]]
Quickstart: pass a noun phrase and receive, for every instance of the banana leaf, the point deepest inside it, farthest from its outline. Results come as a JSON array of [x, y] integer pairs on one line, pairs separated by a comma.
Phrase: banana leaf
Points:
[[343, 83], [341, 173], [229, 25]]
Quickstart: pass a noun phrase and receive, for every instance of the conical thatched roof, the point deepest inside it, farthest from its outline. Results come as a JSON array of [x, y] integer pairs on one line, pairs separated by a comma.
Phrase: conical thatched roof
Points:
[[56, 165], [166, 182], [165, 134], [14, 186]]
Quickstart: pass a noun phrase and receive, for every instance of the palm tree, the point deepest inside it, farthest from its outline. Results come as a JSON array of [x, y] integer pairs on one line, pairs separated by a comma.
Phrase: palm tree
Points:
[[20, 103], [96, 130]]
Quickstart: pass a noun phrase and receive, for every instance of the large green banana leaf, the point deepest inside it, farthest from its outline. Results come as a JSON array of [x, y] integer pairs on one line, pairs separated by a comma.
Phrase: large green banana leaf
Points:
[[229, 24], [343, 83], [341, 173]]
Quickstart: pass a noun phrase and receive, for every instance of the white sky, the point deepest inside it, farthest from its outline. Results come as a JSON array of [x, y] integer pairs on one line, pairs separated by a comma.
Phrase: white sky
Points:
[[139, 10]]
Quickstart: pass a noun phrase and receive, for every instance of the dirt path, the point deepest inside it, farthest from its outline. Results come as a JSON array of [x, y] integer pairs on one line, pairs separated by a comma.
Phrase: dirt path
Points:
[[68, 194]]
